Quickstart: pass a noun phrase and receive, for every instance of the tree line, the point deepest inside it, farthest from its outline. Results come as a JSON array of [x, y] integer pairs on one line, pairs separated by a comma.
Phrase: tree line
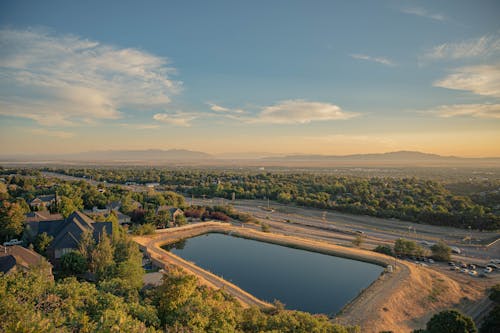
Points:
[[410, 199]]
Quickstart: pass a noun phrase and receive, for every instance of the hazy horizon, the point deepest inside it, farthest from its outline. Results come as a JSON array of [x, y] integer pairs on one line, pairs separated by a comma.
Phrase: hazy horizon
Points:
[[329, 78]]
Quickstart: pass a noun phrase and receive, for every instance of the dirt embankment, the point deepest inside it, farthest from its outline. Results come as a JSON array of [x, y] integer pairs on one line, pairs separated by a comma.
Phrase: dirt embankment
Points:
[[400, 301]]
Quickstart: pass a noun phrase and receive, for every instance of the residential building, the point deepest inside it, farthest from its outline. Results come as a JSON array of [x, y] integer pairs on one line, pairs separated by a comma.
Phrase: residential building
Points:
[[67, 232], [15, 258]]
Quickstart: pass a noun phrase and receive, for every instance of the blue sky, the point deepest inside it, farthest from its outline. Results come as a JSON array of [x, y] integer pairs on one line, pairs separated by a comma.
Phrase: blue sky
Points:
[[329, 77]]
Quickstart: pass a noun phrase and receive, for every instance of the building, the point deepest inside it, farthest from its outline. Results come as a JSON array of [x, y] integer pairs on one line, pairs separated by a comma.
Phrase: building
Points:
[[15, 258], [42, 215], [43, 201], [67, 232], [172, 211]]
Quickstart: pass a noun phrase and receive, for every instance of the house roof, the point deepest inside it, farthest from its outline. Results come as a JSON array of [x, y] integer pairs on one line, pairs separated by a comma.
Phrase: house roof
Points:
[[170, 209], [45, 198], [43, 215], [16, 255], [115, 205], [7, 262], [67, 233]]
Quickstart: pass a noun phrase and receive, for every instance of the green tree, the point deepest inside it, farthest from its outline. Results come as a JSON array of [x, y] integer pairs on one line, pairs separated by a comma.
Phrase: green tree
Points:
[[491, 323], [385, 249], [101, 262], [42, 242], [495, 293], [441, 251], [403, 247], [11, 220], [358, 240], [66, 206], [180, 220], [86, 245], [451, 321], [73, 263]]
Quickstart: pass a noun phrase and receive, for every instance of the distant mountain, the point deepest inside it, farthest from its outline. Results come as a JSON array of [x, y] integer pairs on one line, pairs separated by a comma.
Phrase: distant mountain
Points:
[[140, 156], [182, 157], [403, 158]]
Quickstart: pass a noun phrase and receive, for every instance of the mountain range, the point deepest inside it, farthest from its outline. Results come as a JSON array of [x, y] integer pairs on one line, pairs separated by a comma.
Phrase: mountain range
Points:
[[188, 157]]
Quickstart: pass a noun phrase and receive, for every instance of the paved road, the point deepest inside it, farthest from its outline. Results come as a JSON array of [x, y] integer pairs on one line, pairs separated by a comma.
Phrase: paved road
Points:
[[376, 230]]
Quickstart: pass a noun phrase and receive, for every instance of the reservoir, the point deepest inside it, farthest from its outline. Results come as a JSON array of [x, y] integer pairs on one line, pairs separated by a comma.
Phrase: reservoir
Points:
[[300, 279]]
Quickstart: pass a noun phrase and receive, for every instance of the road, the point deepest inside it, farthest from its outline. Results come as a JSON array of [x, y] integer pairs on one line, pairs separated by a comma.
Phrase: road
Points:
[[343, 227]]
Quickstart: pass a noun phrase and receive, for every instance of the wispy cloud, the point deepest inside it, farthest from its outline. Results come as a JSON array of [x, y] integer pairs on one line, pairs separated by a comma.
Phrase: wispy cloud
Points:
[[300, 111], [380, 60], [482, 80], [418, 11], [65, 79], [467, 110], [218, 108], [141, 126], [478, 47], [183, 119], [52, 133]]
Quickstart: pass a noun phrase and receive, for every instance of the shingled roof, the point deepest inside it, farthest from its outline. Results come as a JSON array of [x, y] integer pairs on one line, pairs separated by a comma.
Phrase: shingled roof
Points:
[[12, 256]]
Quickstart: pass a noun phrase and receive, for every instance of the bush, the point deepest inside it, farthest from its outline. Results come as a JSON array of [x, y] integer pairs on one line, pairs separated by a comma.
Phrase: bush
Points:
[[441, 252], [451, 321], [384, 249], [73, 263], [143, 229]]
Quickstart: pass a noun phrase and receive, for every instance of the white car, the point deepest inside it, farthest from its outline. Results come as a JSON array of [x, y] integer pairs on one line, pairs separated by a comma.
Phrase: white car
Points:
[[495, 261], [472, 273], [13, 242], [488, 270]]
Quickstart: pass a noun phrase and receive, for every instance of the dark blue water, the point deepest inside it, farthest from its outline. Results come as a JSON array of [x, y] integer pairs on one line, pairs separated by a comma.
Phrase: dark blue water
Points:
[[302, 280]]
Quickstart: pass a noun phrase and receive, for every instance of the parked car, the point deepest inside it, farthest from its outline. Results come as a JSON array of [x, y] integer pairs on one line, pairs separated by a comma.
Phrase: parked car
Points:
[[456, 250], [13, 242], [451, 263], [488, 270], [495, 261], [431, 261], [473, 273], [493, 266], [464, 270], [472, 266]]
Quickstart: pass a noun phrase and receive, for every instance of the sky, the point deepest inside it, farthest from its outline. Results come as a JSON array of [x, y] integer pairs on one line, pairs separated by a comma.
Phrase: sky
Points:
[[280, 76]]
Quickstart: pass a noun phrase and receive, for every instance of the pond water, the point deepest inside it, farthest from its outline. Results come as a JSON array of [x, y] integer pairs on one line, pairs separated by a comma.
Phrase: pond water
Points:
[[300, 279]]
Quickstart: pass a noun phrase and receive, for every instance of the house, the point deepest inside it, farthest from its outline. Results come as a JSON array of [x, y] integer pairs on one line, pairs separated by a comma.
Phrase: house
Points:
[[15, 258], [43, 201], [42, 215], [172, 211], [67, 232], [122, 218], [114, 205]]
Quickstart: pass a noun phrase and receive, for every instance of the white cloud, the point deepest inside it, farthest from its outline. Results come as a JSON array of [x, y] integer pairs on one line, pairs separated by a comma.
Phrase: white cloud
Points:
[[178, 119], [300, 112], [417, 11], [467, 110], [65, 79], [141, 126], [52, 133], [380, 60], [481, 80], [478, 47], [219, 108]]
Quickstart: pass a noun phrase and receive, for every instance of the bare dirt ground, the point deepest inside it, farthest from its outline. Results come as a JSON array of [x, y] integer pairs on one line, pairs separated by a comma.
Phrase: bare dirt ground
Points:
[[400, 301]]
